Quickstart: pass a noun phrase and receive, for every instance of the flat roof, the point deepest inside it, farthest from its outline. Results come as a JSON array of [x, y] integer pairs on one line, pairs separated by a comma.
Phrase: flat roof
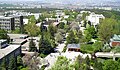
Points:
[[15, 36], [2, 17], [8, 50], [73, 46], [18, 41]]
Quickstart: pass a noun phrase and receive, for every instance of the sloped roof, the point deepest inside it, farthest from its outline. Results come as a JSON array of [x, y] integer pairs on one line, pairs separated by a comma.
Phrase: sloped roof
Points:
[[116, 37]]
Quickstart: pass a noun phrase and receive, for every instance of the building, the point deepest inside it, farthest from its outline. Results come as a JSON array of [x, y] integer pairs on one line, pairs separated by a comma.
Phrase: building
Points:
[[73, 47], [6, 51], [10, 50], [18, 21], [94, 18], [7, 23], [115, 41]]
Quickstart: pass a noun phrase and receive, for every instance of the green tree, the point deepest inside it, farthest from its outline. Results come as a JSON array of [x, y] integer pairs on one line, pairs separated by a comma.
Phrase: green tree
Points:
[[45, 46], [3, 65], [110, 65], [16, 31], [3, 34], [97, 65], [32, 47], [31, 27], [90, 33], [52, 30], [84, 15], [58, 37], [107, 29], [19, 60], [61, 25], [71, 38], [97, 46], [62, 63]]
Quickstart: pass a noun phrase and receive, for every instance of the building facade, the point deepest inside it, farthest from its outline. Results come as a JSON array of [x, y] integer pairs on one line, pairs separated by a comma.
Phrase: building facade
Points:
[[7, 23], [18, 21]]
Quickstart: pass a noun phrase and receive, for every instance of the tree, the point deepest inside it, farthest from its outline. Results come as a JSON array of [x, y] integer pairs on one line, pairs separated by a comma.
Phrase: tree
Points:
[[79, 34], [32, 47], [52, 30], [16, 31], [3, 65], [58, 37], [19, 60], [45, 46], [31, 27], [97, 65], [3, 34], [62, 63], [97, 46], [12, 63], [71, 38], [90, 33], [61, 25], [78, 65], [110, 65], [107, 29]]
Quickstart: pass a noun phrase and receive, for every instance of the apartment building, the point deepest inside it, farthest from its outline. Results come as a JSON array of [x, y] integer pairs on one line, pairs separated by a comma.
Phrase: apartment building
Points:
[[7, 23], [18, 20]]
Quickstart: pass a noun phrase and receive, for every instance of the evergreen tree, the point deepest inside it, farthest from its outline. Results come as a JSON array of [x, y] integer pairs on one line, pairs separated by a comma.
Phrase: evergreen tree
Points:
[[32, 47]]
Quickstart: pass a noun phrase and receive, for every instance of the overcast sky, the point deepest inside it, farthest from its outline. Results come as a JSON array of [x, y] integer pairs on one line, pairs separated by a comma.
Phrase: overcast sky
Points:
[[68, 1]]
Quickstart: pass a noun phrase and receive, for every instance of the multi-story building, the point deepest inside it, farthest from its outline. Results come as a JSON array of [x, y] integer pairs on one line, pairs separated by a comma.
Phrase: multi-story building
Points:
[[8, 52], [7, 23], [95, 18], [11, 22], [18, 20]]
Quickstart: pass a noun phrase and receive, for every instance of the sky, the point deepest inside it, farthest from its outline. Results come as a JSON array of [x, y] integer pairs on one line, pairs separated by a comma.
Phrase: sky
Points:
[[66, 1]]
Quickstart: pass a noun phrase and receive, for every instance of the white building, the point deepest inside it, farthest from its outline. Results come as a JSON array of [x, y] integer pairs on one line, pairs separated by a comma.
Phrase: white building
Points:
[[95, 18]]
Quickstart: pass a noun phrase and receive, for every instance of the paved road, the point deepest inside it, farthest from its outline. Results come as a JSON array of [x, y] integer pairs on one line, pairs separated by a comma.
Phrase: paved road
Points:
[[60, 47]]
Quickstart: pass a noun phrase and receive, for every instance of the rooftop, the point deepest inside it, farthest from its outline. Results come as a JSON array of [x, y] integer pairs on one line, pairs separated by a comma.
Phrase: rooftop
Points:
[[73, 46], [7, 50], [2, 17], [17, 36]]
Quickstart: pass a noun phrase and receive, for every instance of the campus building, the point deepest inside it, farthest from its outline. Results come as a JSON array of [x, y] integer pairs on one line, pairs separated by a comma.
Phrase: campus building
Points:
[[73, 47], [115, 41], [95, 18], [11, 23], [7, 23], [9, 51], [18, 20]]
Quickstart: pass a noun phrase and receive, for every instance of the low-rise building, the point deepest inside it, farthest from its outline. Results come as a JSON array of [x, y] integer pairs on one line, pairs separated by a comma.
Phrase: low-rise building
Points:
[[115, 41], [73, 47]]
